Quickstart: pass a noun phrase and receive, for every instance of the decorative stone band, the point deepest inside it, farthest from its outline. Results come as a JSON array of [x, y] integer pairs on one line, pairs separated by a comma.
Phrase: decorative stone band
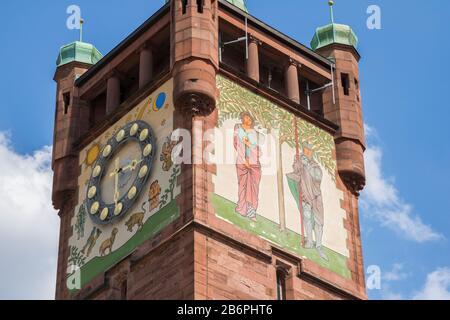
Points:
[[354, 182], [196, 105], [293, 62], [253, 39]]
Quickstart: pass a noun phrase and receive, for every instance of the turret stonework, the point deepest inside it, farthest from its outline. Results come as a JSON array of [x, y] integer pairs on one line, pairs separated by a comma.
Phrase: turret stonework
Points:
[[339, 43], [207, 157], [195, 55]]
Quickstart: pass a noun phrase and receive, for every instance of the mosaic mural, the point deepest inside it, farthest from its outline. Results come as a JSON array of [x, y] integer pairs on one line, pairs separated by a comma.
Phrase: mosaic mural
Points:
[[127, 188], [282, 184]]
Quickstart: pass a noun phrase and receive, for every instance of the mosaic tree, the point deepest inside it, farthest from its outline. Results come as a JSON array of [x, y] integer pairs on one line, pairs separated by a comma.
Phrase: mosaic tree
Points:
[[235, 99], [81, 221]]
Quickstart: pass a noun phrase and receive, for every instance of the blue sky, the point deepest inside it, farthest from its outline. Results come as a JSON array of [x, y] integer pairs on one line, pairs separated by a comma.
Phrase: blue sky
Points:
[[404, 80]]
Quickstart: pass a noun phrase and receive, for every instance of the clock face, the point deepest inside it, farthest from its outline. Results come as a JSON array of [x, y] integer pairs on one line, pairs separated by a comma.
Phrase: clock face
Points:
[[120, 173]]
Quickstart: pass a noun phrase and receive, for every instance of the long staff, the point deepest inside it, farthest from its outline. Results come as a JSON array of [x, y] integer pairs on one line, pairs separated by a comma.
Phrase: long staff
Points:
[[300, 192]]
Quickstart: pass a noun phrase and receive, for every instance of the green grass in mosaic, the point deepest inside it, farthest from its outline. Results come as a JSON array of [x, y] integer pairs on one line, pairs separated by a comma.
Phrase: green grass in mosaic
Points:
[[152, 226], [289, 240]]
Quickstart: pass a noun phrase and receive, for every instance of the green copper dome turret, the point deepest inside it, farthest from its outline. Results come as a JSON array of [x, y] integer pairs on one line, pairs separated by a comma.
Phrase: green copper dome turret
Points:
[[334, 33], [240, 4], [79, 52]]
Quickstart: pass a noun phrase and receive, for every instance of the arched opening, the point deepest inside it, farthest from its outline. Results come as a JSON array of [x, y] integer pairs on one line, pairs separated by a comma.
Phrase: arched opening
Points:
[[200, 5], [281, 284]]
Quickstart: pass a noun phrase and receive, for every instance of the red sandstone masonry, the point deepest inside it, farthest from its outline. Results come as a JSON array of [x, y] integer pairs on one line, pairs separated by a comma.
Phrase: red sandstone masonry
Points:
[[200, 256], [346, 288]]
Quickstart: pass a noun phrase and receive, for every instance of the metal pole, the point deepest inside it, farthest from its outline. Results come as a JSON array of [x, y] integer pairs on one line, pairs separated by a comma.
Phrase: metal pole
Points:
[[332, 81], [331, 3], [246, 38], [81, 30], [270, 77], [220, 47], [300, 191], [308, 94]]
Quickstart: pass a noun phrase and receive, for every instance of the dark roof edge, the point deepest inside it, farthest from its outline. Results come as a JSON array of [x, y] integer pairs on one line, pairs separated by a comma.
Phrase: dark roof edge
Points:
[[279, 99], [354, 50], [114, 52], [164, 9], [281, 36]]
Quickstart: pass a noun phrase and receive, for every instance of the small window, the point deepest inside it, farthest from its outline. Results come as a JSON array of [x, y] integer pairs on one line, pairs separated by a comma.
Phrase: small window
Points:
[[124, 290], [66, 102], [184, 4], [270, 78], [200, 5], [281, 285], [357, 89], [345, 83], [213, 10]]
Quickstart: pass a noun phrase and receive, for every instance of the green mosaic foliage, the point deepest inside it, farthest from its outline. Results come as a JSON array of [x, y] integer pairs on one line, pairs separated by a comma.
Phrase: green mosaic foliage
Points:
[[81, 221], [235, 99], [168, 195], [76, 258]]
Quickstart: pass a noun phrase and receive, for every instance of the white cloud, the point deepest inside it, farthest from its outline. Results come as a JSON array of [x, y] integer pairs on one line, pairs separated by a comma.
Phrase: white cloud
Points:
[[382, 202], [29, 226], [437, 286], [370, 131], [388, 294], [396, 274]]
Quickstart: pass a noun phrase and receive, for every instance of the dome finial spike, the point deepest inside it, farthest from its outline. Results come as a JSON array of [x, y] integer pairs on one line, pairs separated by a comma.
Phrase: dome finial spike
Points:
[[81, 29], [331, 4]]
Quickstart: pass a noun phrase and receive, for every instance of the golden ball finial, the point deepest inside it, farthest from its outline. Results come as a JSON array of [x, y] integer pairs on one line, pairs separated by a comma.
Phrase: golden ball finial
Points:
[[331, 3]]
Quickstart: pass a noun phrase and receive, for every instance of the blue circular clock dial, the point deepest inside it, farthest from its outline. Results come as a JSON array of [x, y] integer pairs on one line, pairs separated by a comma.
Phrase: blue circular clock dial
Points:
[[121, 172]]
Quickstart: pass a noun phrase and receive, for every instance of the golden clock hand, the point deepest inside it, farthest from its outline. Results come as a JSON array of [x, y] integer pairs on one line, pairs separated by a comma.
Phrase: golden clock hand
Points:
[[132, 166], [116, 170], [136, 163], [129, 167], [116, 191], [116, 181]]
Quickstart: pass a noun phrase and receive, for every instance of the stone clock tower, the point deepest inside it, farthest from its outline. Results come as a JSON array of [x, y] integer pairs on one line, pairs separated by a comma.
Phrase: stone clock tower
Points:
[[209, 156]]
